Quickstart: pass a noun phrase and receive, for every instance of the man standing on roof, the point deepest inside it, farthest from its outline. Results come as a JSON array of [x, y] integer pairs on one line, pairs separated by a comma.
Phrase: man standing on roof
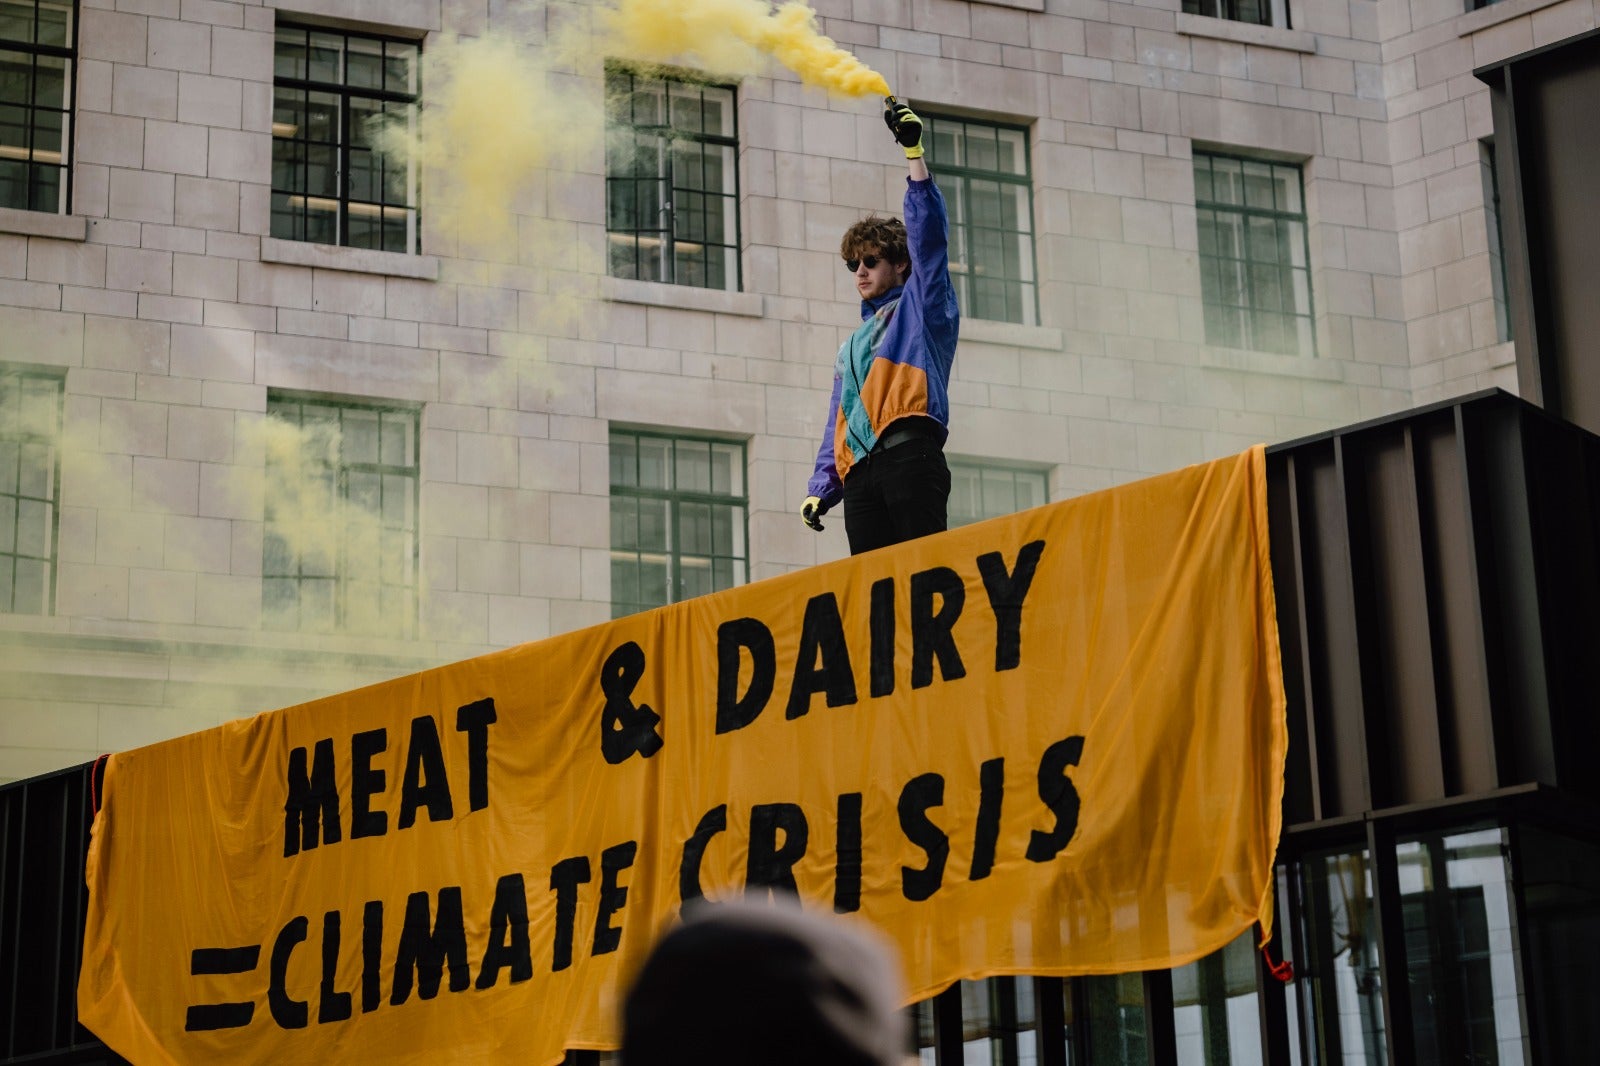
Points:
[[883, 444]]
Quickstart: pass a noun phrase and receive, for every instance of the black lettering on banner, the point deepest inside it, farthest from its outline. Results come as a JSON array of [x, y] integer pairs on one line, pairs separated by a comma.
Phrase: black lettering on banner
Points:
[[425, 759], [770, 866], [312, 807], [507, 918], [932, 635], [288, 1013], [208, 1017], [613, 896], [991, 793], [624, 728], [733, 639], [882, 634], [711, 823], [1060, 795], [1006, 593], [847, 856], [474, 719], [332, 1005], [365, 782], [565, 877], [920, 793], [371, 956], [822, 632], [427, 951]]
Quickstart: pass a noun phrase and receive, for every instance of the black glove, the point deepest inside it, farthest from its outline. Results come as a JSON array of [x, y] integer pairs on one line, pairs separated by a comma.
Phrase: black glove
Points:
[[905, 125]]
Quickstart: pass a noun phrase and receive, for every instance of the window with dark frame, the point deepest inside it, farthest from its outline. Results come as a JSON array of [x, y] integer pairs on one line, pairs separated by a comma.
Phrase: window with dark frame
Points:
[[679, 509], [983, 170], [672, 180], [980, 490], [30, 489], [340, 544], [38, 41], [1255, 12], [1255, 275], [330, 185]]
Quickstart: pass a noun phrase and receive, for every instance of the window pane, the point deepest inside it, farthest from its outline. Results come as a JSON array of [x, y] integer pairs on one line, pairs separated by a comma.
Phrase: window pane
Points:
[[674, 536], [1456, 900], [672, 186], [983, 170], [340, 543], [1254, 281]]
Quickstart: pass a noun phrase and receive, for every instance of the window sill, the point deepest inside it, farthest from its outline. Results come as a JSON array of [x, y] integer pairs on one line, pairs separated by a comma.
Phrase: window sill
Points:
[[988, 331], [1021, 5], [685, 297], [43, 224], [1253, 362], [1247, 33], [1495, 14], [354, 260]]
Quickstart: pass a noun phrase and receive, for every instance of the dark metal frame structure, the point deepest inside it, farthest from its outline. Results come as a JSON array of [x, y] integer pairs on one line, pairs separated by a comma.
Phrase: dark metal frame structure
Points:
[[1437, 577]]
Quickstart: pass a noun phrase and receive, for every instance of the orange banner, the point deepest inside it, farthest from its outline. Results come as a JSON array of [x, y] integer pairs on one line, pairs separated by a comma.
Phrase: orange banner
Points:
[[1051, 743]]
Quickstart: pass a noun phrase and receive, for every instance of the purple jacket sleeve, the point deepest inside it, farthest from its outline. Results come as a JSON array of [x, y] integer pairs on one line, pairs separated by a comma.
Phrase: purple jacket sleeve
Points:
[[824, 482]]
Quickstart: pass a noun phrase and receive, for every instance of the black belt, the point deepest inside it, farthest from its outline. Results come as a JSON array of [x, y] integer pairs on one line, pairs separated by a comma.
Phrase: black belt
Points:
[[902, 432]]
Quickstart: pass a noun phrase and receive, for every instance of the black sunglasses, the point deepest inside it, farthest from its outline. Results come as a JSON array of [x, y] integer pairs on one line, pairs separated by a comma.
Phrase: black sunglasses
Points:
[[870, 260]]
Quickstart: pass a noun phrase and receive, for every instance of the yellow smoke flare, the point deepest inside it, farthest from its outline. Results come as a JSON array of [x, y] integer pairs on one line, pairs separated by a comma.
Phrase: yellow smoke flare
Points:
[[723, 36]]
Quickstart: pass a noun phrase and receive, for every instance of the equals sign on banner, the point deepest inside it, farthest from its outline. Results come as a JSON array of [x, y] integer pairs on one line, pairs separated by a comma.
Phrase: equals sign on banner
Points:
[[216, 961]]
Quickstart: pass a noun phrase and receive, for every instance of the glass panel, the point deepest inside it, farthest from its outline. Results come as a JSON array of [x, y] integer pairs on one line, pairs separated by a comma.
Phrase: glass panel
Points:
[[1338, 985], [1561, 904], [30, 587], [400, 67], [1013, 152], [1258, 185], [1116, 1021], [359, 431], [693, 467], [694, 528], [1455, 894], [325, 57], [653, 456], [290, 56], [1215, 1011], [16, 21], [624, 462], [364, 63]]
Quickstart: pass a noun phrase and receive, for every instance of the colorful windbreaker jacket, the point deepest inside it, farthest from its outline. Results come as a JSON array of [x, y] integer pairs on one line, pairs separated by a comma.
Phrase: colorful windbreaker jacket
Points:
[[898, 362]]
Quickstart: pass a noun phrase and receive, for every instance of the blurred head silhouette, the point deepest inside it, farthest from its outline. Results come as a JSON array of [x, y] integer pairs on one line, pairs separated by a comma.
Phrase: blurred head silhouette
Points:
[[739, 982]]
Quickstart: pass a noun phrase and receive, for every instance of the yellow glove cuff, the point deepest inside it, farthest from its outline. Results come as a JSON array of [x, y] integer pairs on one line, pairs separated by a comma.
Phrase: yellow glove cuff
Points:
[[914, 153]]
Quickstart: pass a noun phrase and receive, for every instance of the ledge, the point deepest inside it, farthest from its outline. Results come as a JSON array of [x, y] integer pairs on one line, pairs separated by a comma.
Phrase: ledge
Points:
[[987, 331], [354, 260], [1248, 33], [1303, 367], [44, 224], [1021, 5], [683, 297], [1494, 14]]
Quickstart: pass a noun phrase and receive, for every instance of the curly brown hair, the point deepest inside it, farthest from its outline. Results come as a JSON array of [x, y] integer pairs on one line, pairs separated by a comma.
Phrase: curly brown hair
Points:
[[875, 235]]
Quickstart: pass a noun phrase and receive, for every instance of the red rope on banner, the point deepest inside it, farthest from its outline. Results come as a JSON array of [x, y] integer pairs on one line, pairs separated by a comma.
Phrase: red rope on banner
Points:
[[94, 787], [1283, 971]]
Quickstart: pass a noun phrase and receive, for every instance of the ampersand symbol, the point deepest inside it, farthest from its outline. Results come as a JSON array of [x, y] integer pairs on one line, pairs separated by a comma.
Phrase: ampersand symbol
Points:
[[624, 728]]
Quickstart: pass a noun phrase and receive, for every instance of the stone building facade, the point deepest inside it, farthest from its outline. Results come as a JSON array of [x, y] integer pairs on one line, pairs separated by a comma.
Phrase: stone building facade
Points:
[[273, 435]]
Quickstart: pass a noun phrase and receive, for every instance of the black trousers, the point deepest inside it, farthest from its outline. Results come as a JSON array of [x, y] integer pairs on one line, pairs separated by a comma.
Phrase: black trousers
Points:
[[896, 494]]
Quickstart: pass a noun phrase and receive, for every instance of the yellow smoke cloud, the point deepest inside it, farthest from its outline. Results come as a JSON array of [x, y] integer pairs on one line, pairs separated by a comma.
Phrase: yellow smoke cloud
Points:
[[731, 36], [501, 111]]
